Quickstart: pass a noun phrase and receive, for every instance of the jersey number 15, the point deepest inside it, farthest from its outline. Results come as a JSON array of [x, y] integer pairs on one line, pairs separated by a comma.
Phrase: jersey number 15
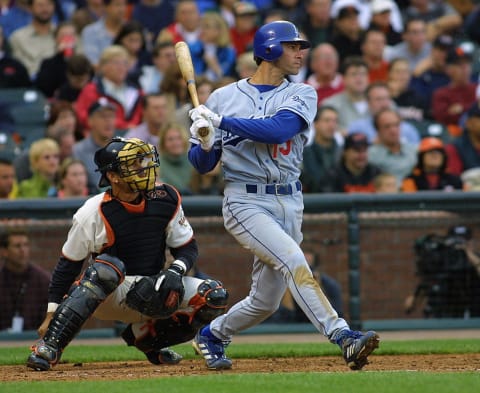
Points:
[[284, 149]]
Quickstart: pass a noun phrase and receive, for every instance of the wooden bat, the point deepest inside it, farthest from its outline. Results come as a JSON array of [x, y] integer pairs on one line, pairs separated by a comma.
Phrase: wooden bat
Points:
[[184, 60]]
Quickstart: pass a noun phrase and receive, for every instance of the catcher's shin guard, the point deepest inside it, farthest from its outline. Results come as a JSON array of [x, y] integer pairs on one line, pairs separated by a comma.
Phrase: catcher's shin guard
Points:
[[99, 280]]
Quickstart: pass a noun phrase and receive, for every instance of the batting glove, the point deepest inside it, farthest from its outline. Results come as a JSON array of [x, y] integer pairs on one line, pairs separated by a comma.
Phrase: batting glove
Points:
[[206, 141], [203, 111]]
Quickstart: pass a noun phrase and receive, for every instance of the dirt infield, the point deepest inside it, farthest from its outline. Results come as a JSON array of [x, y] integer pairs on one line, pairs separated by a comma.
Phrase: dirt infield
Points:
[[142, 369]]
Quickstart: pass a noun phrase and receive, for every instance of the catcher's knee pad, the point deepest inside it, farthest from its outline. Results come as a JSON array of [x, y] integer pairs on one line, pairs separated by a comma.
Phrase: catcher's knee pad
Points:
[[106, 273], [209, 302]]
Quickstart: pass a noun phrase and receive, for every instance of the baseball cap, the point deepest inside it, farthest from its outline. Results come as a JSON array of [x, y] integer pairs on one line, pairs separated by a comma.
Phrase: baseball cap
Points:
[[430, 143], [458, 54], [356, 140], [244, 8], [443, 41], [379, 6], [101, 104], [342, 8]]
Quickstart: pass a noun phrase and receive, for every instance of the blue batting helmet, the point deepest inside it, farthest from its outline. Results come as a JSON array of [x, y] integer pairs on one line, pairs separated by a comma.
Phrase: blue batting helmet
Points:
[[267, 43]]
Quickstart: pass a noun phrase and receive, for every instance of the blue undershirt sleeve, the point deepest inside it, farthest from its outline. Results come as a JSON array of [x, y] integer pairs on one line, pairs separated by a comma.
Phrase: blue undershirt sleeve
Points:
[[202, 160], [276, 129]]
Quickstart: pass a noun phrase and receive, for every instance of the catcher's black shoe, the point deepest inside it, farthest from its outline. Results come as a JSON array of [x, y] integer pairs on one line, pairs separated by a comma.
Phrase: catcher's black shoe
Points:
[[357, 346], [43, 357], [164, 356]]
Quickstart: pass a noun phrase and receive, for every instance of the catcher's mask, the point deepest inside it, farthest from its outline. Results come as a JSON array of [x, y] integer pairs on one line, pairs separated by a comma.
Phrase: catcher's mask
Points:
[[134, 160]]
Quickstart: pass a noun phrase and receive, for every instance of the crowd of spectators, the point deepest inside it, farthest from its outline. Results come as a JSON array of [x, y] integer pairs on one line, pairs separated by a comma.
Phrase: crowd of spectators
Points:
[[389, 75]]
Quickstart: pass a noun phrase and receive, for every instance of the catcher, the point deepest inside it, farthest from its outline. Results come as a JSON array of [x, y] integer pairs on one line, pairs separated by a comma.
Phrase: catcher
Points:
[[123, 233]]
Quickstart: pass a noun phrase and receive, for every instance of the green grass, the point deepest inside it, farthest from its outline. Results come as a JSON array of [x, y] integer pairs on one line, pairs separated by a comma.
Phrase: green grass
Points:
[[338, 382], [106, 353], [364, 382]]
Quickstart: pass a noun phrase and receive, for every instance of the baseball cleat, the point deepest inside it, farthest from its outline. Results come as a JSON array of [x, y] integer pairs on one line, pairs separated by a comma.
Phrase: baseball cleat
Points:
[[164, 356], [43, 357], [212, 349], [357, 346]]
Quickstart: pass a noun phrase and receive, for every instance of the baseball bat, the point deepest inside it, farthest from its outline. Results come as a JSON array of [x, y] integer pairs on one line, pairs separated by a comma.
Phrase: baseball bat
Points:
[[184, 60]]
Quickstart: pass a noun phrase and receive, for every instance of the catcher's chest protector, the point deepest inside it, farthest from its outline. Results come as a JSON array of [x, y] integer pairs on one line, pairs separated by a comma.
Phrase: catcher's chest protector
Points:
[[139, 238]]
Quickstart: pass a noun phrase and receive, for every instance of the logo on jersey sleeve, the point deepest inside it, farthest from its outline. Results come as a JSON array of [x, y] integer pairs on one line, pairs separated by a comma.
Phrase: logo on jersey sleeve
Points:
[[299, 103]]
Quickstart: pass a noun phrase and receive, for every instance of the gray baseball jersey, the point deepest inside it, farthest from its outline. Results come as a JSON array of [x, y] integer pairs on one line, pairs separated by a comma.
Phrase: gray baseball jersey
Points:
[[263, 207], [253, 162]]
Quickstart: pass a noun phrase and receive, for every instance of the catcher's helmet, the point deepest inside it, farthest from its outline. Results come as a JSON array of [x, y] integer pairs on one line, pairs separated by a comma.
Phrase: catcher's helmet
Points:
[[267, 43], [133, 159]]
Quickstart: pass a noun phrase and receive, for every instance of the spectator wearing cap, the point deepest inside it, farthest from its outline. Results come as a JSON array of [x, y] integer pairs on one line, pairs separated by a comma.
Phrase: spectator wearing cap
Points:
[[430, 74], [430, 172], [347, 31], [415, 46], [381, 19], [245, 26], [111, 83], [379, 98], [101, 121], [100, 34], [373, 44], [450, 102], [317, 24], [464, 151], [325, 77], [323, 153], [439, 15], [353, 173], [390, 153]]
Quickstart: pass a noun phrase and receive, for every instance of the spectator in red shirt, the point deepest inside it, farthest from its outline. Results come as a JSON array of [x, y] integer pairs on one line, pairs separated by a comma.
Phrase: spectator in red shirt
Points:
[[111, 83], [244, 27], [373, 44], [449, 103], [186, 26], [325, 78]]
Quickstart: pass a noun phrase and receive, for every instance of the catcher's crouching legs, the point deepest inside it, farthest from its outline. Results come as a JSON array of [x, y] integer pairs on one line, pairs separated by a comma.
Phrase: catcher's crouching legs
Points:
[[153, 337], [99, 280]]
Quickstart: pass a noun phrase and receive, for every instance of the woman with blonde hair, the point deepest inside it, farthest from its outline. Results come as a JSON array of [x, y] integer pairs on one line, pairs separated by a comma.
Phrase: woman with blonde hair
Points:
[[44, 156], [175, 169], [213, 55]]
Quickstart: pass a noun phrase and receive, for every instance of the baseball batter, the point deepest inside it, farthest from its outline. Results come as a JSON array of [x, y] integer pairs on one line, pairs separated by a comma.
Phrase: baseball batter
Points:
[[124, 233], [258, 128]]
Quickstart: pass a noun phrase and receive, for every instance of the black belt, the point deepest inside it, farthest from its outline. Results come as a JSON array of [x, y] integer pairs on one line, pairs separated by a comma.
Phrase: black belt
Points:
[[274, 189]]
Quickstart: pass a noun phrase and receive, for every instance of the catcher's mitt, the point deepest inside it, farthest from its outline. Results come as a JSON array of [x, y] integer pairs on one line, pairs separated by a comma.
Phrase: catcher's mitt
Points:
[[157, 296]]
